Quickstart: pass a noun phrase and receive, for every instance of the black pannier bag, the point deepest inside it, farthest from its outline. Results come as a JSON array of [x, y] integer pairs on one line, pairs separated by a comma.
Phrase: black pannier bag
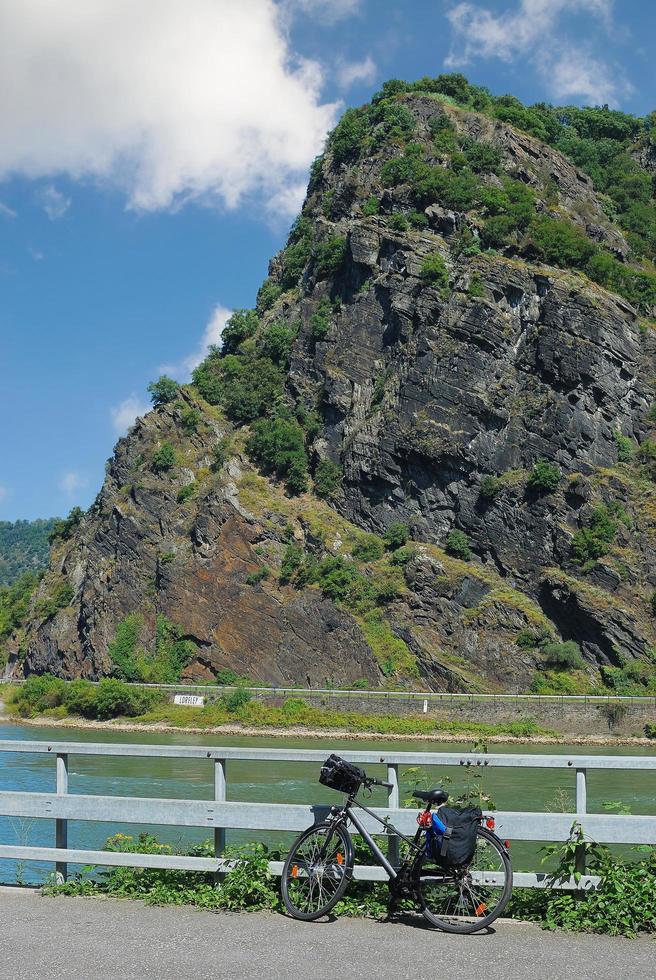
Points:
[[341, 775], [457, 846]]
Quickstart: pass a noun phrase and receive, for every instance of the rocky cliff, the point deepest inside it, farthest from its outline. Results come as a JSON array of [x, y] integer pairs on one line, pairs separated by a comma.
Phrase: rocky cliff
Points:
[[435, 333]]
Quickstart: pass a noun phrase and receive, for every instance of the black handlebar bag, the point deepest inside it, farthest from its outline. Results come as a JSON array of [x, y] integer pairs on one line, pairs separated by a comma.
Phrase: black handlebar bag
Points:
[[341, 775]]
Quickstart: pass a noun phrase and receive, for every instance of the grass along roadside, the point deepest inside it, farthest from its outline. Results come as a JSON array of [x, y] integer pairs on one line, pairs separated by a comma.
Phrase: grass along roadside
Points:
[[621, 906]]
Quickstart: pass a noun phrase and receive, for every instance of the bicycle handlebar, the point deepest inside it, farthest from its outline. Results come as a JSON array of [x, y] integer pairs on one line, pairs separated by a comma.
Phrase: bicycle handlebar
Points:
[[378, 782]]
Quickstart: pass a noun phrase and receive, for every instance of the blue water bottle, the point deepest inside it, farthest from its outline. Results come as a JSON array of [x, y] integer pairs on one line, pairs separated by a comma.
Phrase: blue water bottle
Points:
[[435, 836]]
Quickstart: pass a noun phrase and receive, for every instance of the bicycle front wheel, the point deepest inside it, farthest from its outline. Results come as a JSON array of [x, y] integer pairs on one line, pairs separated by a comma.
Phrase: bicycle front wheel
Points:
[[317, 871], [465, 900]]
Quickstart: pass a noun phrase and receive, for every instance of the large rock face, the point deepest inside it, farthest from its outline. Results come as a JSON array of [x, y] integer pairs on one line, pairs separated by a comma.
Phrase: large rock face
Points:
[[422, 393], [140, 549], [540, 366]]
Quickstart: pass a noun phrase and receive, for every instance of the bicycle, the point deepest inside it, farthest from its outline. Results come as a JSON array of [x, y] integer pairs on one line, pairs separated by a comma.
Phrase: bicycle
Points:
[[462, 898]]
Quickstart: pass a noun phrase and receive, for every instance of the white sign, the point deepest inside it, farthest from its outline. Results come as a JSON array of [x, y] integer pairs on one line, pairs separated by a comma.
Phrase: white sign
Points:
[[190, 700], [425, 705]]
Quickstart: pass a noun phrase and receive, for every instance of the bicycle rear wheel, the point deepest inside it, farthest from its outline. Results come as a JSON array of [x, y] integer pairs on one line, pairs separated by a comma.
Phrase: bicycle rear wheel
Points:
[[317, 871], [468, 899]]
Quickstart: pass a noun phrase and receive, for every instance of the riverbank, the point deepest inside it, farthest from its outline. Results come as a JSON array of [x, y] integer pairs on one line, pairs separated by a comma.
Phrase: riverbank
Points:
[[374, 712], [115, 705], [125, 725]]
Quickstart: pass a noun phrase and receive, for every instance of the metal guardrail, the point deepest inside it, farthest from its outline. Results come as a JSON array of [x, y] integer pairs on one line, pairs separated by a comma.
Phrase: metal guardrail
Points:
[[430, 696], [219, 814]]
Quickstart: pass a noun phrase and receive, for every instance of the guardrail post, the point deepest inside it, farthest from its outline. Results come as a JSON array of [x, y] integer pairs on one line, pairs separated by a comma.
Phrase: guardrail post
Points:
[[61, 826], [219, 796], [393, 804], [581, 809]]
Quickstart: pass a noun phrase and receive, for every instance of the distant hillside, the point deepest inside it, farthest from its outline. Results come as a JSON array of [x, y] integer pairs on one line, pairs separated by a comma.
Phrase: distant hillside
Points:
[[23, 547]]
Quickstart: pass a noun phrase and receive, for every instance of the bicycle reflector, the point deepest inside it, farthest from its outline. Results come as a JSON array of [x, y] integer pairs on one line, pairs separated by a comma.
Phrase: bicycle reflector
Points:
[[294, 871], [481, 909], [425, 818], [340, 858], [489, 822]]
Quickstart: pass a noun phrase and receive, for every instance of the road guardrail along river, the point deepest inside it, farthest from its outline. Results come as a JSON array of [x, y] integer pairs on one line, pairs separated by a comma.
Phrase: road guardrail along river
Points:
[[219, 813]]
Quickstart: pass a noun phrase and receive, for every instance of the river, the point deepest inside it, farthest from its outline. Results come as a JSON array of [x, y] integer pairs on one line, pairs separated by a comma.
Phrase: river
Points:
[[510, 789]]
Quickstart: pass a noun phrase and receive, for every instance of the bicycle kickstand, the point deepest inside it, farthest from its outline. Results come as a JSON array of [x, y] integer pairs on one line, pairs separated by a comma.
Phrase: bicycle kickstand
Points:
[[392, 903]]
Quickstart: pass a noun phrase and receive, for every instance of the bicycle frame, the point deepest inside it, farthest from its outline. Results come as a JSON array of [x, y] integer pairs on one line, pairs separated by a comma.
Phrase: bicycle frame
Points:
[[347, 813]]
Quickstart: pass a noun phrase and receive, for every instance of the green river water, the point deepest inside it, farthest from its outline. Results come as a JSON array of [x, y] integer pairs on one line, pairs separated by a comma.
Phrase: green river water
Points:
[[281, 782]]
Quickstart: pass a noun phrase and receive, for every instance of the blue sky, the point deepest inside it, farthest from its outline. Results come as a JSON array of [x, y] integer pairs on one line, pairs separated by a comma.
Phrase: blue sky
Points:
[[151, 164]]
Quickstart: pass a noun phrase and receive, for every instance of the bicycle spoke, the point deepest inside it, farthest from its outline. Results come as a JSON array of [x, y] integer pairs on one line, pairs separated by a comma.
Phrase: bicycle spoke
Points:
[[316, 871], [462, 900]]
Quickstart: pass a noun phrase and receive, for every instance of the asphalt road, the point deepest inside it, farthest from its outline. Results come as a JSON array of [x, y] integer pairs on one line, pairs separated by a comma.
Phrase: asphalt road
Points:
[[106, 939]]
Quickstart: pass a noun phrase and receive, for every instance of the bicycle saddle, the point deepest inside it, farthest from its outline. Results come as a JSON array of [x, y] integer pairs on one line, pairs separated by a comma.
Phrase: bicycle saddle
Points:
[[431, 795]]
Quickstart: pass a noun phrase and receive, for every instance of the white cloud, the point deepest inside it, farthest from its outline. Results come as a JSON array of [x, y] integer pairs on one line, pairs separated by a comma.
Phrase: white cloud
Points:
[[328, 11], [170, 101], [531, 29], [287, 202], [482, 32], [36, 254], [211, 335], [349, 72], [71, 482], [54, 203], [4, 493], [578, 73], [6, 211], [127, 412]]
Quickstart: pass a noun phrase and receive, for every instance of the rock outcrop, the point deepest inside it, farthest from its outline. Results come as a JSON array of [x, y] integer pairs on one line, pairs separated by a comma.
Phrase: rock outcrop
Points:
[[141, 549], [423, 392]]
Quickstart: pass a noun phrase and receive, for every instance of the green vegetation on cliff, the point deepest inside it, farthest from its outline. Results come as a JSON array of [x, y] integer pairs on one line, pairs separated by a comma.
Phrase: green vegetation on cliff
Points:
[[453, 172], [62, 529], [132, 662], [163, 391], [601, 141], [511, 222], [245, 377]]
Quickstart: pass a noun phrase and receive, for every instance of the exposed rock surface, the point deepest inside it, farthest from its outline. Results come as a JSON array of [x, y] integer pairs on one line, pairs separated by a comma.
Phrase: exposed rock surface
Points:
[[141, 549], [421, 395]]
